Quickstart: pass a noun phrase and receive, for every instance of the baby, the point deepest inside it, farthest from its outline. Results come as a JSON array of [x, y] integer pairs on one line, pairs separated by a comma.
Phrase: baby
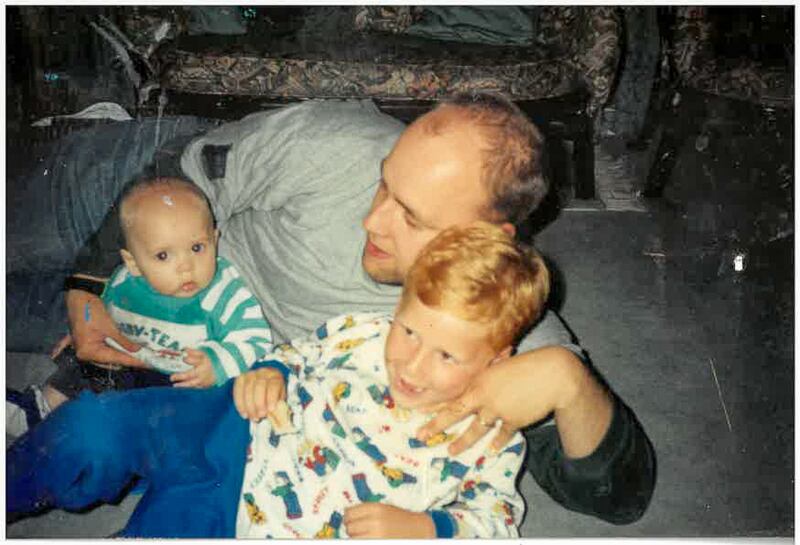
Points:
[[196, 321], [360, 388]]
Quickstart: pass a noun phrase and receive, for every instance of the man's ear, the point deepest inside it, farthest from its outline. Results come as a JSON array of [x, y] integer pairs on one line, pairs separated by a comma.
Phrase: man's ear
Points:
[[503, 354], [509, 229], [130, 262]]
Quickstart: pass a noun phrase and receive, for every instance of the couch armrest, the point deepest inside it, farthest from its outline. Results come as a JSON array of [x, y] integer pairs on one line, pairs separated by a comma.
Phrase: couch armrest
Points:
[[697, 66], [590, 39]]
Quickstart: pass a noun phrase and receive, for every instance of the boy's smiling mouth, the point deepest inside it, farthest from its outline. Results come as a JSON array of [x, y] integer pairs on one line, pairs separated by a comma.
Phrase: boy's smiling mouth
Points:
[[407, 388]]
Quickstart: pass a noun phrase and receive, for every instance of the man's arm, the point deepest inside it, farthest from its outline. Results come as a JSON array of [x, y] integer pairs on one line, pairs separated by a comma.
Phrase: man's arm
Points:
[[615, 482], [525, 389], [89, 321], [611, 475]]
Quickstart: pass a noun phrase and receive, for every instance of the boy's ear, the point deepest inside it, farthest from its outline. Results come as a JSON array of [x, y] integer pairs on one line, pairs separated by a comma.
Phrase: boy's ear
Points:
[[130, 262], [216, 235], [503, 354]]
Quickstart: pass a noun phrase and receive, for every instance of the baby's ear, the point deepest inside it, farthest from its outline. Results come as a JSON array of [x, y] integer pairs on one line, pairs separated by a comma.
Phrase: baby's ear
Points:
[[130, 262], [503, 354], [216, 235]]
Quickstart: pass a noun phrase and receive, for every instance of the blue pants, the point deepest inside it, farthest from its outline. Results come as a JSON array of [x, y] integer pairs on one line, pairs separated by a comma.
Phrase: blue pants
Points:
[[190, 445]]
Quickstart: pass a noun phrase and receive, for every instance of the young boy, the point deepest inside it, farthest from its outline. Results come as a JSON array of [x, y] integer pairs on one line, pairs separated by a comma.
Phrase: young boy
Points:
[[173, 296], [350, 464], [357, 391]]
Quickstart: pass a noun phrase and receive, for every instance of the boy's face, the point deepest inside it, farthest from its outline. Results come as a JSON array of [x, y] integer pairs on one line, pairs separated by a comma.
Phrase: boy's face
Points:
[[172, 243], [432, 356]]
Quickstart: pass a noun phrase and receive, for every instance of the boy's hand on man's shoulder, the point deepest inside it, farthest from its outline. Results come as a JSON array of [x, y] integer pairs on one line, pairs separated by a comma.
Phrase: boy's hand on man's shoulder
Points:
[[202, 376], [256, 393], [380, 520]]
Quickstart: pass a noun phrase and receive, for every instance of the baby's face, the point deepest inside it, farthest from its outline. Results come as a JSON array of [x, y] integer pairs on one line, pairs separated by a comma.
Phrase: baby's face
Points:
[[432, 356], [173, 243]]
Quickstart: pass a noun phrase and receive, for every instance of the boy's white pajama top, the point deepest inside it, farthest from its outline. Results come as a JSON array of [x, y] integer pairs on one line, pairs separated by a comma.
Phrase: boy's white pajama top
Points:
[[353, 445]]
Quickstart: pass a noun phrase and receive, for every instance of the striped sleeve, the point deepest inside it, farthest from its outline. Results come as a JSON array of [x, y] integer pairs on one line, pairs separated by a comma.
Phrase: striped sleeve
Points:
[[119, 276], [241, 335]]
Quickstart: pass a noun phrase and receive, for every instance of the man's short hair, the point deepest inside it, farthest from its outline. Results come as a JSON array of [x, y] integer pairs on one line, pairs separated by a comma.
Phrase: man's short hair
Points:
[[146, 184], [512, 162], [480, 274]]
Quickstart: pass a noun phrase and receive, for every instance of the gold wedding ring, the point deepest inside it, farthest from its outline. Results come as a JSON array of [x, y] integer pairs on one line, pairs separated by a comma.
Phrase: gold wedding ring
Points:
[[484, 423]]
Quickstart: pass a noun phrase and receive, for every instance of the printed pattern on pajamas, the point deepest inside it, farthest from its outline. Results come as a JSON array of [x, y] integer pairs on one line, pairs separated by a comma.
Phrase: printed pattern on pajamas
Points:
[[352, 445]]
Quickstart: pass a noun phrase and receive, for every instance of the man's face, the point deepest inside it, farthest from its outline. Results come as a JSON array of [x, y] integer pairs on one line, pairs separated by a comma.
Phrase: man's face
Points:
[[429, 182], [432, 356]]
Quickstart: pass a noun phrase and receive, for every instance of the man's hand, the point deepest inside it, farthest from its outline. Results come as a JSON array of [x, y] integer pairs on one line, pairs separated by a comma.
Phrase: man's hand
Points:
[[90, 324], [379, 520], [256, 393], [525, 389], [202, 376]]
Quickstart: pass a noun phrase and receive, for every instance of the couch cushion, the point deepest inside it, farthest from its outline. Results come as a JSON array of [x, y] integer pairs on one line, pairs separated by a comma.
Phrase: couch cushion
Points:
[[492, 25], [574, 49], [363, 65]]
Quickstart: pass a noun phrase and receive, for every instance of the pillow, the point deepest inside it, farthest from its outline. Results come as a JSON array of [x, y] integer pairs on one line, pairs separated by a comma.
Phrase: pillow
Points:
[[492, 25]]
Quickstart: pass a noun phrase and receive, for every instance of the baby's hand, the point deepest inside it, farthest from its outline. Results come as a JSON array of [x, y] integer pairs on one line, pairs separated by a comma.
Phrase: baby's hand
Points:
[[202, 376], [257, 393]]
